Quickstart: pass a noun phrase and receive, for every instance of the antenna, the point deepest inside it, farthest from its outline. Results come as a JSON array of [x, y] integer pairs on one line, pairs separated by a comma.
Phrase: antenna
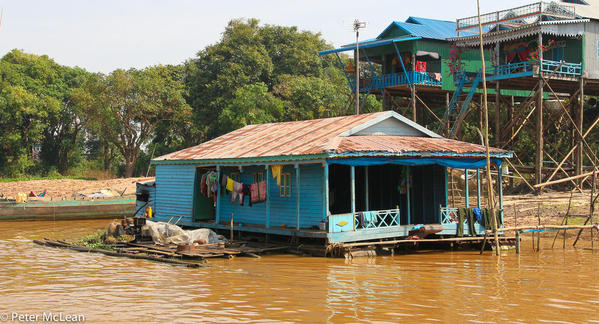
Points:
[[357, 25]]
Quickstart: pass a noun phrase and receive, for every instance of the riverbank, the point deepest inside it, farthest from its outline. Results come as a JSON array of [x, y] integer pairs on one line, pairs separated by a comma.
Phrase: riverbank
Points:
[[63, 189]]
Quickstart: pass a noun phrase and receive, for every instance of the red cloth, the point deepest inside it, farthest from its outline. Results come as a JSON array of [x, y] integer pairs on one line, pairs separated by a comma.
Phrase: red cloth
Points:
[[262, 190], [420, 66]]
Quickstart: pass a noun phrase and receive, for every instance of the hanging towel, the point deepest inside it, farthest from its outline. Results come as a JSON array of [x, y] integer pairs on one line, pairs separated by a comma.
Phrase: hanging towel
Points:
[[203, 187], [369, 218], [230, 183], [460, 228], [471, 219], [237, 191], [254, 197], [276, 173], [262, 190]]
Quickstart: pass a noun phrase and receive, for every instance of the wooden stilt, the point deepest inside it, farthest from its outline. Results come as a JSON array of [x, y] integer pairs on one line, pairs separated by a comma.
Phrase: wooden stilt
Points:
[[518, 242], [413, 90], [539, 233], [539, 123]]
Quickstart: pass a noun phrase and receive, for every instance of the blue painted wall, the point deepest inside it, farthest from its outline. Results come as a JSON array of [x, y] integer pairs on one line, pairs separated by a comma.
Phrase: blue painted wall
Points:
[[282, 209], [174, 192]]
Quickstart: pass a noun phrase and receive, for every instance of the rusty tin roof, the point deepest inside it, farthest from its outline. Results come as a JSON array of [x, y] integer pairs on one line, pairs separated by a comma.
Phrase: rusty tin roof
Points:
[[318, 138]]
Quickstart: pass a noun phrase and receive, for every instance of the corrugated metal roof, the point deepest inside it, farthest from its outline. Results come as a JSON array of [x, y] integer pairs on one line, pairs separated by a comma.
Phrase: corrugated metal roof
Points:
[[571, 28], [425, 28], [316, 137], [408, 144]]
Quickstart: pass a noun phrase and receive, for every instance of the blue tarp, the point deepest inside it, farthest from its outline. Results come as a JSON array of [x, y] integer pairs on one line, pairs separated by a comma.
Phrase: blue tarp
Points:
[[458, 163]]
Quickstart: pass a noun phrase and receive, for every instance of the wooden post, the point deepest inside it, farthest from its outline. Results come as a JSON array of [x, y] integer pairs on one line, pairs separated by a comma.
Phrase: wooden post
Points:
[[539, 122], [231, 226], [478, 195], [326, 190], [366, 187], [413, 88], [500, 191], [297, 196], [466, 192], [486, 128], [268, 175], [218, 189], [539, 232], [408, 191], [446, 188], [579, 121], [353, 189], [497, 110], [518, 242]]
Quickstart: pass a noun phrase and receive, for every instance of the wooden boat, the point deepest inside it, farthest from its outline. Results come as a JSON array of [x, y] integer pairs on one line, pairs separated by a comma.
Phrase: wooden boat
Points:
[[115, 207]]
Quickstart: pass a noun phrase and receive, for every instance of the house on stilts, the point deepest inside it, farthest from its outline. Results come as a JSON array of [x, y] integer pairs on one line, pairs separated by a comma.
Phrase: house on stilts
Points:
[[343, 179]]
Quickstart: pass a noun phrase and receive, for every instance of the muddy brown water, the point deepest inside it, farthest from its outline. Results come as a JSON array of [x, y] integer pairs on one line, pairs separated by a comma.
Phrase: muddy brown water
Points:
[[430, 286]]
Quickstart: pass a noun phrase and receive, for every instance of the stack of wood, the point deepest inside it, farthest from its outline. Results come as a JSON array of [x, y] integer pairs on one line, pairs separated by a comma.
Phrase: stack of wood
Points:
[[174, 254]]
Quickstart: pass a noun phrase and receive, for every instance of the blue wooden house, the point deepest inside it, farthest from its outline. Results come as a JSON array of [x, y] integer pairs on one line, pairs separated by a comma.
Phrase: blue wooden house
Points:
[[343, 179]]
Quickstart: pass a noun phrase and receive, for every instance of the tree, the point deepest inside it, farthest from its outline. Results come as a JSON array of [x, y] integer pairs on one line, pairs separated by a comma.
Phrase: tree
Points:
[[257, 58], [30, 90], [252, 104], [126, 107]]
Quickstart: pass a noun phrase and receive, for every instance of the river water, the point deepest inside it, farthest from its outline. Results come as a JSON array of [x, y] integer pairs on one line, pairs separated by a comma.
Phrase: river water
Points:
[[550, 286]]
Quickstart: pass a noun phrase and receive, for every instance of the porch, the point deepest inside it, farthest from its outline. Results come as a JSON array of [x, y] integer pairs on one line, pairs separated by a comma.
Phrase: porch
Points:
[[384, 81], [548, 68]]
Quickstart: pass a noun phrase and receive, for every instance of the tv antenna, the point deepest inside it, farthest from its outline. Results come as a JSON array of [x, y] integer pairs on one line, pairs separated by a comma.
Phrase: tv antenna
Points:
[[357, 25]]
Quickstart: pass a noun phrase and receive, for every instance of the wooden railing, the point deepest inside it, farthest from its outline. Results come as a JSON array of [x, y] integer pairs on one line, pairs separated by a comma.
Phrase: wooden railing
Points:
[[398, 79], [364, 220]]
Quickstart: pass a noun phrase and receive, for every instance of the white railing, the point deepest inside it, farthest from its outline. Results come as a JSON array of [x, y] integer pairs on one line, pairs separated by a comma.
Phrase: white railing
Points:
[[449, 215]]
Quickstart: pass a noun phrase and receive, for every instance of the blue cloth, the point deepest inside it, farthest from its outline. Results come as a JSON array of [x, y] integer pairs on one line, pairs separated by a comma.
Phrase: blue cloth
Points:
[[478, 215], [369, 217], [458, 163]]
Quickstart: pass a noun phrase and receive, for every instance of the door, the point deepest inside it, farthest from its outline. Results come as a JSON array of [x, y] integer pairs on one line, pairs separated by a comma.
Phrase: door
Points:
[[203, 207]]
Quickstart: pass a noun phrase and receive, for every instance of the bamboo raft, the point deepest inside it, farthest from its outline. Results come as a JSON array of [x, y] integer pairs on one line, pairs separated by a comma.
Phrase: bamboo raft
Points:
[[190, 256]]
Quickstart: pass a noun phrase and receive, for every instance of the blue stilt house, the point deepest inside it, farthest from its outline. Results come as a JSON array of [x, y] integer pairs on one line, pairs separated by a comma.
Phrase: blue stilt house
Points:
[[343, 179]]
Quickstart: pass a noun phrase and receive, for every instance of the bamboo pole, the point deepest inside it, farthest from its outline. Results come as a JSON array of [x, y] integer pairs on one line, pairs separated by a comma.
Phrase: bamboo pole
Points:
[[539, 233], [541, 185], [564, 221], [491, 201], [543, 227]]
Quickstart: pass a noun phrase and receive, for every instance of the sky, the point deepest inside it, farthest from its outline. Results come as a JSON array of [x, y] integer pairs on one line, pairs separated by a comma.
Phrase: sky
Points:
[[102, 36]]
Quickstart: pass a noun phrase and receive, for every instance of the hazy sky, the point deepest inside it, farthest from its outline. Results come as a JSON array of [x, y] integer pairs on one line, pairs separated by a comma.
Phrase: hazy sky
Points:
[[101, 36]]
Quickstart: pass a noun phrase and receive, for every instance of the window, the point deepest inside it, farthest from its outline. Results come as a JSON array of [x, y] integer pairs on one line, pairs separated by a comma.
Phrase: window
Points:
[[258, 177], [285, 184], [235, 176]]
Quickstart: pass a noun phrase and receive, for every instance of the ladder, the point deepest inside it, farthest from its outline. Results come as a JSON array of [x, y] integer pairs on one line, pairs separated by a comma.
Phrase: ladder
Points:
[[467, 83]]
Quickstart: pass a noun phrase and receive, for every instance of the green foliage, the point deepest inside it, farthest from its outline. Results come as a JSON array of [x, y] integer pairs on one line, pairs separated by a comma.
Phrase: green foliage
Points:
[[125, 107], [252, 104], [266, 65], [57, 120]]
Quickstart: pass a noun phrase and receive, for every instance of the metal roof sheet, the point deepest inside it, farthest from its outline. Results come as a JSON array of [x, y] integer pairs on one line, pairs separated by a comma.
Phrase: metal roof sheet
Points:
[[408, 144], [425, 28], [571, 28], [316, 137]]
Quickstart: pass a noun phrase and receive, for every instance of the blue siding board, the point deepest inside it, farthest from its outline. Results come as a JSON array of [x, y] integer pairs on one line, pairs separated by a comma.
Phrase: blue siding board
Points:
[[283, 209], [174, 192]]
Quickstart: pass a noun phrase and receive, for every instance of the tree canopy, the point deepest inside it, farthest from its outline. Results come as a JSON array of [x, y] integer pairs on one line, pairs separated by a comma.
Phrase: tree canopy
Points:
[[55, 118]]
